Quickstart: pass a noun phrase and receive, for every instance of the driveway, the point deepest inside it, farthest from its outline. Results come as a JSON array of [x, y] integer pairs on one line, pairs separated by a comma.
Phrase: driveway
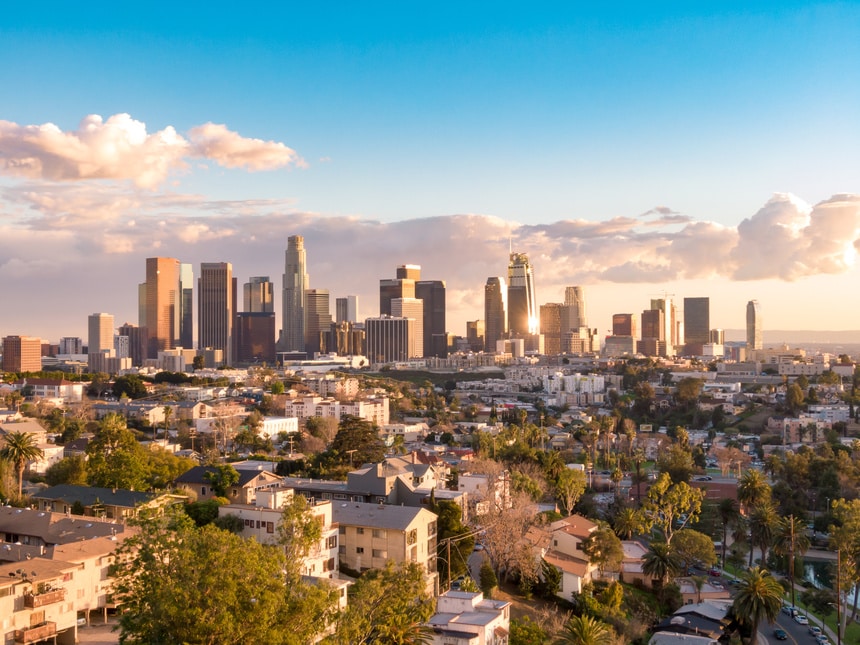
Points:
[[98, 634]]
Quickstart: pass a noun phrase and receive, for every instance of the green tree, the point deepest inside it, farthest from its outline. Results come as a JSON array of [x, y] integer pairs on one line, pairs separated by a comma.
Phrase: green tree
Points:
[[356, 442], [672, 506], [693, 547], [20, 448], [115, 458], [488, 580], [753, 489], [524, 631], [758, 597], [628, 522], [677, 462], [387, 606], [221, 477], [763, 523], [130, 385], [585, 630], [181, 584], [603, 548], [794, 398], [730, 516], [791, 541], [660, 562], [569, 487], [455, 540], [71, 470], [298, 531]]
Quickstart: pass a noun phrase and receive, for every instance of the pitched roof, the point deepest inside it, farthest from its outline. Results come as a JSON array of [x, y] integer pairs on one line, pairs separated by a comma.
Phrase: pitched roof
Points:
[[89, 495], [376, 515], [196, 475], [566, 563]]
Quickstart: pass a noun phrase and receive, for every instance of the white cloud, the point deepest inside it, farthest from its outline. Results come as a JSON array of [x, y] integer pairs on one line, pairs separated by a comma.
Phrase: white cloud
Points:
[[120, 148]]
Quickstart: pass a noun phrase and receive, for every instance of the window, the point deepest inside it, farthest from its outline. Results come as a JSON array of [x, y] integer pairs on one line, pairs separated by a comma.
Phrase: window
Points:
[[202, 490], [270, 527], [379, 533], [431, 529], [359, 549], [380, 553], [412, 536], [341, 549], [341, 530], [360, 530], [332, 541]]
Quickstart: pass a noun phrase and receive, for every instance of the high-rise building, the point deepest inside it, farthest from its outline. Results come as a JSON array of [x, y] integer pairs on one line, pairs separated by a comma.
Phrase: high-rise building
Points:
[[554, 320], [475, 332], [216, 308], [186, 306], [71, 345], [522, 303], [717, 337], [697, 324], [345, 339], [403, 286], [258, 295], [574, 299], [296, 281], [435, 338], [388, 339], [670, 334], [136, 342], [412, 308], [160, 308], [99, 341], [624, 325], [22, 354], [254, 332], [317, 318], [755, 335], [653, 333], [495, 312], [346, 309]]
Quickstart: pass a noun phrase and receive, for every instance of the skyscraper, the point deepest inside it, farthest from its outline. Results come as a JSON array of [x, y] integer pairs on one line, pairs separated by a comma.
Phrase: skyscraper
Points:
[[475, 332], [99, 340], [317, 318], [495, 312], [22, 354], [522, 303], [554, 320], [412, 308], [574, 299], [403, 286], [186, 306], [161, 305], [697, 324], [435, 340], [389, 339], [624, 325], [258, 295], [293, 308], [653, 333], [755, 336], [216, 308], [346, 309], [670, 332]]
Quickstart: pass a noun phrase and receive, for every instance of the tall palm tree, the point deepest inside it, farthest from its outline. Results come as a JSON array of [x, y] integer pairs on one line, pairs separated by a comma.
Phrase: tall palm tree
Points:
[[19, 449], [628, 522], [763, 522], [660, 562], [585, 630], [730, 514], [758, 598], [791, 541], [752, 489]]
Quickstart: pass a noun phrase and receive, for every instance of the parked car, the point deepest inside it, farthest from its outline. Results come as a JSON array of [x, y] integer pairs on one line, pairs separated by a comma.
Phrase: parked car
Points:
[[788, 609], [716, 573], [704, 478], [800, 619], [821, 639], [815, 630], [779, 634]]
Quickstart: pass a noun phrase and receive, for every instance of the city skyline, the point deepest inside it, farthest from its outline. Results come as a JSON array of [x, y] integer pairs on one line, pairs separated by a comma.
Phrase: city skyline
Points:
[[632, 150]]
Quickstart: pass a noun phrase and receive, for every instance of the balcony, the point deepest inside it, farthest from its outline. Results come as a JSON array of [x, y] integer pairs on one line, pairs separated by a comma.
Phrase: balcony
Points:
[[35, 634], [34, 601]]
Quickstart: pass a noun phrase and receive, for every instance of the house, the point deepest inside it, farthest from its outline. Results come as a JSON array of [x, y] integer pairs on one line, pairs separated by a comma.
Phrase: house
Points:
[[111, 503], [372, 534], [27, 426], [560, 546], [631, 563], [51, 454], [711, 590], [59, 390], [487, 491], [260, 521], [466, 618], [707, 619], [197, 483]]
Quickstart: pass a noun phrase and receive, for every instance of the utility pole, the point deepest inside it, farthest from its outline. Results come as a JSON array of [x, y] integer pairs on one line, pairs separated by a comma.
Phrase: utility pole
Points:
[[838, 596], [791, 556]]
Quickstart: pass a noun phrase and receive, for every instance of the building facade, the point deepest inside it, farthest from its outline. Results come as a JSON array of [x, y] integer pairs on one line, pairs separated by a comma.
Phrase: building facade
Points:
[[522, 300], [755, 335], [216, 300], [22, 354], [495, 312], [161, 305], [295, 281]]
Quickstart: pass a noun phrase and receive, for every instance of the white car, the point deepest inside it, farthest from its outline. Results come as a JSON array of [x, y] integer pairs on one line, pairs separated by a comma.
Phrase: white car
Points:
[[800, 619]]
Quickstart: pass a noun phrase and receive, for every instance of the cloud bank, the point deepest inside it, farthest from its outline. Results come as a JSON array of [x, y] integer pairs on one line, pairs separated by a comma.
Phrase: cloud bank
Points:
[[120, 148]]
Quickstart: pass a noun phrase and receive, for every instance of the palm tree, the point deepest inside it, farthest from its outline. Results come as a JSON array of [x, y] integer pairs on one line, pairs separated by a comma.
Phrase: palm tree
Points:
[[660, 562], [791, 540], [752, 489], [759, 596], [20, 448], [585, 630], [730, 514], [628, 522], [763, 523]]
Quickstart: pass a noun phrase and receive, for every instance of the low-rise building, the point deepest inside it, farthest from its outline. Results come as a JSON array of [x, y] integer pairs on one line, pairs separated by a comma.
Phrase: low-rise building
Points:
[[197, 482], [466, 618], [110, 503]]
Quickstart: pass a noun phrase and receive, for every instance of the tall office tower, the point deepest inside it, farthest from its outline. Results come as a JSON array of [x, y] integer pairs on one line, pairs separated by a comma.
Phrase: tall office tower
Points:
[[554, 322], [99, 341], [258, 295], [22, 354], [71, 345], [435, 340], [388, 339], [522, 303], [186, 306], [161, 305], [755, 337], [624, 325], [697, 324], [317, 318], [346, 309], [669, 316], [216, 308], [574, 299], [136, 342], [475, 333], [411, 308], [345, 339], [255, 337], [293, 296], [653, 333], [403, 286], [495, 312], [717, 337], [121, 346]]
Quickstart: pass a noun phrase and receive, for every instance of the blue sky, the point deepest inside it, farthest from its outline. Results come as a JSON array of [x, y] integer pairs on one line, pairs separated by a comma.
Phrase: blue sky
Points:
[[530, 115]]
